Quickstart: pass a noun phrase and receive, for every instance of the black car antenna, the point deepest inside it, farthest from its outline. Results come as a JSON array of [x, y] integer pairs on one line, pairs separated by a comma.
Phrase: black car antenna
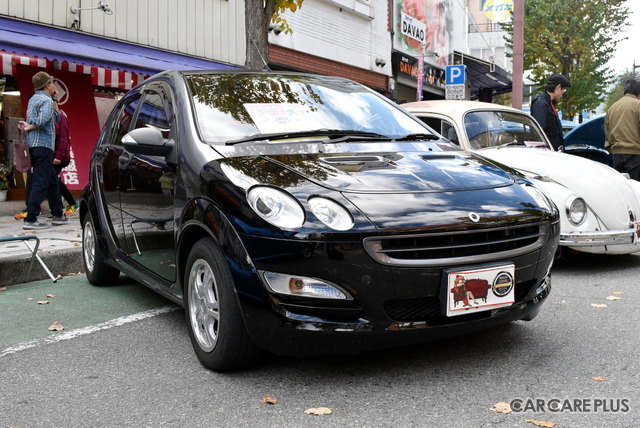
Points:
[[255, 45]]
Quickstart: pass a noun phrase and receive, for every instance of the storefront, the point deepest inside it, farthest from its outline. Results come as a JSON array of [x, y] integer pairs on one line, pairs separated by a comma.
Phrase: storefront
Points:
[[91, 74]]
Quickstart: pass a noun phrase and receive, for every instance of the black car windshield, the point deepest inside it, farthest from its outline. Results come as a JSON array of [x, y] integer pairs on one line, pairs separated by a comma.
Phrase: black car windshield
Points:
[[241, 106], [501, 128]]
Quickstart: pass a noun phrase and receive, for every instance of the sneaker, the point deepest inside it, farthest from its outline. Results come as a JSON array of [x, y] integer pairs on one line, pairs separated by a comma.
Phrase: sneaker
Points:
[[35, 225], [71, 209], [22, 215], [57, 221]]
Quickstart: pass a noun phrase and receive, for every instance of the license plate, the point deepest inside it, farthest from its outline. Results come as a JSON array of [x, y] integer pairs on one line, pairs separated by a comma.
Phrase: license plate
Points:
[[481, 289]]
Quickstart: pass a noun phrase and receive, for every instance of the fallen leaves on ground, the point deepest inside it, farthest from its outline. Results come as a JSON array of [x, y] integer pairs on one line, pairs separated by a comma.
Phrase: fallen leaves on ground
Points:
[[77, 244], [501, 407], [269, 400], [541, 423], [58, 278], [614, 298], [50, 296], [56, 326], [617, 293], [600, 378], [43, 302], [598, 305], [3, 288], [318, 411]]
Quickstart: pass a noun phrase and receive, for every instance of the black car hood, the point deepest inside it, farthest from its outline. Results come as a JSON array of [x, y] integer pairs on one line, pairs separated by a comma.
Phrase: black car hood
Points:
[[395, 172]]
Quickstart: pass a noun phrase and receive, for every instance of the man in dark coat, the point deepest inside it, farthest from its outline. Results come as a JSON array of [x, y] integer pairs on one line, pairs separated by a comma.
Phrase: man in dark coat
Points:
[[543, 108]]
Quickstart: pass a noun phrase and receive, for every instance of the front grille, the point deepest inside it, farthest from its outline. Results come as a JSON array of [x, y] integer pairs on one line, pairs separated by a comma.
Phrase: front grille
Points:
[[449, 248], [427, 309]]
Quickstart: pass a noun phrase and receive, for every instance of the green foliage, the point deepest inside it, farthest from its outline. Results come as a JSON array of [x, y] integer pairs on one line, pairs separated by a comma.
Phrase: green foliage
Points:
[[576, 38], [4, 176], [617, 90], [280, 7]]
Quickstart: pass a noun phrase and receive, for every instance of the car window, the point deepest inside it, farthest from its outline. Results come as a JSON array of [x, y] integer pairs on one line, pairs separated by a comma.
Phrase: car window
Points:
[[498, 128], [239, 106], [123, 122], [445, 128], [153, 113]]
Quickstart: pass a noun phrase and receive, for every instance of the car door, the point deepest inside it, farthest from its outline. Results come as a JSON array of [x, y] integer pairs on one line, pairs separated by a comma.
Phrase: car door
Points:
[[147, 201], [107, 158]]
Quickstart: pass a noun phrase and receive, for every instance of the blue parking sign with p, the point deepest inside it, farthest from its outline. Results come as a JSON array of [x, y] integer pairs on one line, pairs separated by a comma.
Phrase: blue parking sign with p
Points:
[[455, 74]]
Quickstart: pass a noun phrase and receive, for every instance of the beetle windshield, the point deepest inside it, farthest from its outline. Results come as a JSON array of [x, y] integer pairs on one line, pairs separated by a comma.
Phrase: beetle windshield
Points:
[[499, 128], [237, 106]]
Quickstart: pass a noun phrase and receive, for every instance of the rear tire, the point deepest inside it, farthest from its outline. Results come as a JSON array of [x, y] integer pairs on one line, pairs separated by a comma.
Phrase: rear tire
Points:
[[214, 320], [97, 271]]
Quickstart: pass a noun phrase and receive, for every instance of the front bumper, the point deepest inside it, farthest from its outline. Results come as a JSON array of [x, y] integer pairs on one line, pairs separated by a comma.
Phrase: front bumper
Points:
[[590, 239], [312, 336]]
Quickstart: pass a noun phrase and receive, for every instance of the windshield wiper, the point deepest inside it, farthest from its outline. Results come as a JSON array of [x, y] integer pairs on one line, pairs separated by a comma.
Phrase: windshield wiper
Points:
[[416, 137], [337, 135]]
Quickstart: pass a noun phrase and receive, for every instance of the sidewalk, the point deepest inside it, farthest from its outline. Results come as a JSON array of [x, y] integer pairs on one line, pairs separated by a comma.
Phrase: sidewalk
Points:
[[60, 247]]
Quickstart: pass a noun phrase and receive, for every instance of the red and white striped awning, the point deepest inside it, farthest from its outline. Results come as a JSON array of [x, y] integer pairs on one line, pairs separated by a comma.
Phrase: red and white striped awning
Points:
[[100, 76]]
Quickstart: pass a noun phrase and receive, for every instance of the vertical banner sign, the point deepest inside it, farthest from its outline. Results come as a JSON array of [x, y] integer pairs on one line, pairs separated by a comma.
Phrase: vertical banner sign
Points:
[[76, 99], [420, 82]]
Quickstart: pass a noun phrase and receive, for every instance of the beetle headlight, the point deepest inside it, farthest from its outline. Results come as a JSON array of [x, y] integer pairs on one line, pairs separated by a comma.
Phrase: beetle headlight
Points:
[[331, 213], [303, 286], [576, 210], [539, 197], [276, 206]]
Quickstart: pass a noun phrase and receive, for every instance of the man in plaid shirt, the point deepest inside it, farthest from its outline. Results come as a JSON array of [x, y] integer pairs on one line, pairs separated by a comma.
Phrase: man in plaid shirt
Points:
[[42, 115]]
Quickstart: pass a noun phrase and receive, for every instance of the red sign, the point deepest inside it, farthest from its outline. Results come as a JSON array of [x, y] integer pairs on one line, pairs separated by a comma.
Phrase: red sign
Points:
[[76, 99]]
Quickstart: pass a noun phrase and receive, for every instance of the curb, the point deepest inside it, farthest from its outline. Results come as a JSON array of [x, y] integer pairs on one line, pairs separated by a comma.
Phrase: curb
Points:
[[60, 263]]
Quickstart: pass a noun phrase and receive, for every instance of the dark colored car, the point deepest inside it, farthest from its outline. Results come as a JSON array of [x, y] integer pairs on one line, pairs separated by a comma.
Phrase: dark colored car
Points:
[[587, 140], [308, 215]]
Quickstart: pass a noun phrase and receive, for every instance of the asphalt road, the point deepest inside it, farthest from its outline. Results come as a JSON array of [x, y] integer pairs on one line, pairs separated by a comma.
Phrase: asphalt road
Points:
[[125, 360]]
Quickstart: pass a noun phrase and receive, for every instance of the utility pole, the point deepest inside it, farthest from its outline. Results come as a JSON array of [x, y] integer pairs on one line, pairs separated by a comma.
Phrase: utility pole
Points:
[[518, 54], [634, 68]]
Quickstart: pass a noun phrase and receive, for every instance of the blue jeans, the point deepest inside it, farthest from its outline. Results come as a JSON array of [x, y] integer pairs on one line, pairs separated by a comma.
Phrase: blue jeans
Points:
[[44, 184]]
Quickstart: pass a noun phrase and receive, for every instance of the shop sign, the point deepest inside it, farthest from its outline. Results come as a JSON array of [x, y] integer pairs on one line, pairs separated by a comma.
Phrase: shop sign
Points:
[[413, 28], [409, 67], [498, 10]]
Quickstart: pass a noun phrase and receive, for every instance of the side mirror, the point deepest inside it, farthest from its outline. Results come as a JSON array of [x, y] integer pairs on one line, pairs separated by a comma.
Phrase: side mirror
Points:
[[147, 141]]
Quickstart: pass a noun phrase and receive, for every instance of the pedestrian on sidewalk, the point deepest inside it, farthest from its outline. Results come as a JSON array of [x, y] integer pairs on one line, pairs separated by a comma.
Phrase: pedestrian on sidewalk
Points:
[[622, 130], [61, 160], [42, 115], [543, 108]]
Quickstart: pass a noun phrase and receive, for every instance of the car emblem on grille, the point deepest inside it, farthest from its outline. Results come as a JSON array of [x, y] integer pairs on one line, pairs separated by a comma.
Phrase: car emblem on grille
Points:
[[474, 217]]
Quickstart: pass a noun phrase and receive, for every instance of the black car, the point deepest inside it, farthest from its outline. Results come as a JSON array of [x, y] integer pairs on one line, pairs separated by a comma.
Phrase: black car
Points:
[[308, 215]]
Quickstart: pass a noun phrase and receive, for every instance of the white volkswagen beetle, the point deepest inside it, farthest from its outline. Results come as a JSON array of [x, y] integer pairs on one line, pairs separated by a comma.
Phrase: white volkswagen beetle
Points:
[[600, 206]]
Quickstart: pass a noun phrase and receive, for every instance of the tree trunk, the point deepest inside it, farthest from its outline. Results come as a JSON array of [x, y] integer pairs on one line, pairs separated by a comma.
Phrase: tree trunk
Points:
[[257, 19]]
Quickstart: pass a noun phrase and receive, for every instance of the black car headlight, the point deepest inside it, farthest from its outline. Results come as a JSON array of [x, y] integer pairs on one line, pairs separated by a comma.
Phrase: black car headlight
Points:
[[540, 198], [276, 206], [331, 213]]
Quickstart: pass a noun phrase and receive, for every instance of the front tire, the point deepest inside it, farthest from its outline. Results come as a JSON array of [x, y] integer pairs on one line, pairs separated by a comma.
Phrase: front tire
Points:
[[215, 324], [97, 271]]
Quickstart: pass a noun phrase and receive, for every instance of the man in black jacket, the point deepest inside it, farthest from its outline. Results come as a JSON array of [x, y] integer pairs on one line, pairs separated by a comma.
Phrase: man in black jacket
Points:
[[543, 108]]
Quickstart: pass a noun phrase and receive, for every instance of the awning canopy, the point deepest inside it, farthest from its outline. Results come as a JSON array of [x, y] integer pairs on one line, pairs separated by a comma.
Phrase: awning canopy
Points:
[[106, 60], [484, 75]]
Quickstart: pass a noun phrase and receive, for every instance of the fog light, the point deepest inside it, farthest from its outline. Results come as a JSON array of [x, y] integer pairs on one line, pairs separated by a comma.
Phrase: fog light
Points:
[[303, 286]]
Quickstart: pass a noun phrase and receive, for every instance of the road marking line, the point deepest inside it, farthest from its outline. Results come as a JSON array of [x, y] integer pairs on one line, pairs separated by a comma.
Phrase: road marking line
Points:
[[72, 334]]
